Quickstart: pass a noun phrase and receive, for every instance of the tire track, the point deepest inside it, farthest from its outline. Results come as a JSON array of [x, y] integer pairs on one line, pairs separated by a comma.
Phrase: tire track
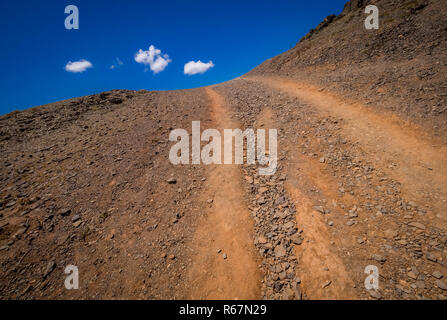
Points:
[[224, 265], [402, 150], [323, 273]]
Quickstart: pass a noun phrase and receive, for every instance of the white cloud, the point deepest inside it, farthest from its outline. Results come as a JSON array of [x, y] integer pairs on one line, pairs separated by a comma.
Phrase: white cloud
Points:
[[153, 58], [78, 66], [193, 67]]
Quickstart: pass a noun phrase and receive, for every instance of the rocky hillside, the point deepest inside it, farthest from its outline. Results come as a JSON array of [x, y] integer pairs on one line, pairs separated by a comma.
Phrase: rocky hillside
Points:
[[361, 178], [401, 67]]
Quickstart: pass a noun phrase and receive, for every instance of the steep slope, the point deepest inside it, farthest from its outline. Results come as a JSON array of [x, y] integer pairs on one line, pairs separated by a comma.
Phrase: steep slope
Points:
[[401, 67], [361, 178], [88, 183]]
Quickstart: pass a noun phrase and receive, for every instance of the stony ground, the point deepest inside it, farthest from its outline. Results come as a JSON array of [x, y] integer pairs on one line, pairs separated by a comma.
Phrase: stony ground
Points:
[[94, 192], [361, 179], [399, 68]]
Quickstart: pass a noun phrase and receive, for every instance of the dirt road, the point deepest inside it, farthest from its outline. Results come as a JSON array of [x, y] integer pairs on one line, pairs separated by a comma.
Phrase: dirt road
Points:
[[225, 263], [363, 194], [353, 188]]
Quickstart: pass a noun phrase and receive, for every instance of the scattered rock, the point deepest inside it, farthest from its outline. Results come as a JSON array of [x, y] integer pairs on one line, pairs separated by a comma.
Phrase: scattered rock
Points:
[[319, 209], [280, 251], [77, 223], [375, 294], [50, 267], [390, 234], [441, 284], [413, 274], [261, 240], [64, 212], [280, 200], [417, 225], [172, 181], [379, 258], [351, 223], [431, 257], [297, 291], [296, 239], [420, 284]]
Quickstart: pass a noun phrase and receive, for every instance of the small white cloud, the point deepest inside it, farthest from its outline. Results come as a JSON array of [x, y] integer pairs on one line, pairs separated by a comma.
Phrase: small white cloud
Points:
[[116, 63], [78, 66], [193, 67], [153, 58]]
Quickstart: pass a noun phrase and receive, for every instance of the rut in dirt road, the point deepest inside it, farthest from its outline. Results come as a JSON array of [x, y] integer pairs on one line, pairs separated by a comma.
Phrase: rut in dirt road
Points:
[[276, 232], [315, 254], [225, 264]]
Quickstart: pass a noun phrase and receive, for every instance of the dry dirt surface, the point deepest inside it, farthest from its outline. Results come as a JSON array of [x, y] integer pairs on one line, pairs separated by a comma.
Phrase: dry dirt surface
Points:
[[361, 178]]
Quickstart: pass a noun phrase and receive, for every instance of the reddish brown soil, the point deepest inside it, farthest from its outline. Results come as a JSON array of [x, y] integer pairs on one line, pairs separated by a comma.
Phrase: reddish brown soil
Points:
[[361, 178]]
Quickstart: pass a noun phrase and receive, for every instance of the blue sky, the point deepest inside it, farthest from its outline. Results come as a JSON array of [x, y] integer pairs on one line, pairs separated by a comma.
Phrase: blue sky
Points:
[[235, 35]]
